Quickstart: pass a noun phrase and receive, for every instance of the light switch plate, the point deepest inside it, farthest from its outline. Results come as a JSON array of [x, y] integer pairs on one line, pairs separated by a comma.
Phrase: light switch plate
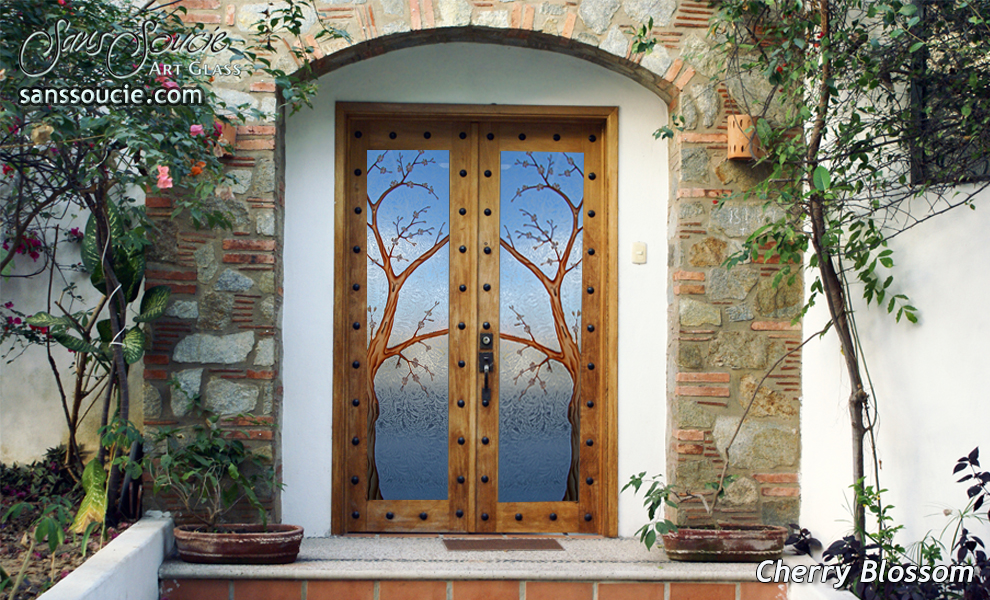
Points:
[[639, 253]]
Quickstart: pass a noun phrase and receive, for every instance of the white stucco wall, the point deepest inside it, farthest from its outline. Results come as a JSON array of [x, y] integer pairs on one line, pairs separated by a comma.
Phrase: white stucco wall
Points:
[[929, 382], [468, 74]]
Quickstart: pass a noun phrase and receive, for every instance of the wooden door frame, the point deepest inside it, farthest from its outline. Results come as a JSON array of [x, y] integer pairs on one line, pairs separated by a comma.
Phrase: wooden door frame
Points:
[[607, 117]]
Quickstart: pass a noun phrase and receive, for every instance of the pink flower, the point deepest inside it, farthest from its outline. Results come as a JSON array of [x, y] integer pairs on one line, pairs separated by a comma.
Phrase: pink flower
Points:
[[195, 130], [164, 181], [170, 85], [217, 128]]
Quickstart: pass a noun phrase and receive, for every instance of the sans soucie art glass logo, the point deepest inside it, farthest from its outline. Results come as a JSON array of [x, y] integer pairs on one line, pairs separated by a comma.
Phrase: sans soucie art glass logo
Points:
[[125, 53]]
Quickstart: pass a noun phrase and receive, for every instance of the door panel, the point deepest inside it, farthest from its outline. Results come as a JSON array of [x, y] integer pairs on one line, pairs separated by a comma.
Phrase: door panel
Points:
[[453, 230]]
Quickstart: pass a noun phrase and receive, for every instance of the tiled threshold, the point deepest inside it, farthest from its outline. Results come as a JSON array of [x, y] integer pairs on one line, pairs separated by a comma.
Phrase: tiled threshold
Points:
[[421, 568], [426, 558]]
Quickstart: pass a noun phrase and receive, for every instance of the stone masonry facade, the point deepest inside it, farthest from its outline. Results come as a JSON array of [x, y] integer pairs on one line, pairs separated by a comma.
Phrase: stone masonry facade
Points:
[[220, 337]]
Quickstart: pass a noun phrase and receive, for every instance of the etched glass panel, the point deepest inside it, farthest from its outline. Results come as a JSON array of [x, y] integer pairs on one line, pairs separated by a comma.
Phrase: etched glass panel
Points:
[[541, 199], [408, 274]]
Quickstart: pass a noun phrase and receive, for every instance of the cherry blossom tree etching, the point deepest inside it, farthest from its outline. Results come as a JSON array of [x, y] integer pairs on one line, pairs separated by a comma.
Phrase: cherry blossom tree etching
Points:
[[549, 250], [394, 248]]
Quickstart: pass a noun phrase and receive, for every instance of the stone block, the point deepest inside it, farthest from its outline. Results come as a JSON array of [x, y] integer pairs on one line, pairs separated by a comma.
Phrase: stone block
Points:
[[264, 176], [215, 311], [240, 180], [224, 397], [694, 164], [232, 281], [492, 18], [641, 11], [692, 414], [597, 14], [206, 263], [739, 312], [709, 252], [781, 302], [264, 223], [738, 220], [264, 356], [780, 512], [706, 99], [741, 492], [769, 402], [220, 349], [189, 382], [615, 42], [743, 350], [183, 309], [731, 284], [267, 308], [152, 402], [695, 314], [454, 13], [760, 445], [658, 60], [690, 356]]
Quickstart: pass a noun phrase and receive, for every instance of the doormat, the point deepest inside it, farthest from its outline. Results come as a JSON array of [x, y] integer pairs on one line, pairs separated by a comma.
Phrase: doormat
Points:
[[502, 544]]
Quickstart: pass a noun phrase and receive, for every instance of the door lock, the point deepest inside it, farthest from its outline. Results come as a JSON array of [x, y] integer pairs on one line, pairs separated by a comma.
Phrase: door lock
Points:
[[486, 341]]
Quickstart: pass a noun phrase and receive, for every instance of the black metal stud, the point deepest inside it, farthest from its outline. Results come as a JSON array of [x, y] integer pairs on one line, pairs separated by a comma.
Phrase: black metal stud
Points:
[[485, 402], [519, 516], [522, 136], [591, 213], [591, 290], [462, 287], [356, 364], [461, 363], [488, 250], [392, 135], [484, 479], [427, 134], [488, 212], [589, 480], [484, 516], [488, 173], [463, 173], [556, 137], [490, 136], [357, 134], [356, 325], [355, 515], [389, 516], [592, 138], [486, 325], [589, 442], [355, 480], [357, 172], [356, 249], [355, 441], [460, 479], [462, 249], [587, 516], [591, 327], [422, 516], [462, 211], [460, 404], [356, 287], [461, 325], [460, 441], [590, 404], [463, 135], [591, 251], [357, 210], [487, 287], [485, 440], [355, 402], [459, 513], [591, 366], [592, 176], [553, 516]]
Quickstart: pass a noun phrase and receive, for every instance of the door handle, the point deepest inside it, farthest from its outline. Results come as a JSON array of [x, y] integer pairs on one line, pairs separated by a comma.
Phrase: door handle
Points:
[[486, 364]]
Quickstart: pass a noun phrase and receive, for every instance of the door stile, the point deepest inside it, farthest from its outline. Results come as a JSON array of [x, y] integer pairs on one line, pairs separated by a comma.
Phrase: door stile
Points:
[[488, 312], [592, 369], [353, 356], [463, 309]]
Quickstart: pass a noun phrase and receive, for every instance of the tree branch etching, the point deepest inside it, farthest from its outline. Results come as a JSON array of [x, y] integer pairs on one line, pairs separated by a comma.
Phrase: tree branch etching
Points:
[[546, 237], [403, 234]]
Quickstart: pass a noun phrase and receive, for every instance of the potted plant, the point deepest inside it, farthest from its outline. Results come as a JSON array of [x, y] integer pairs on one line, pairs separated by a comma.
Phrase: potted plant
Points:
[[210, 474], [716, 542]]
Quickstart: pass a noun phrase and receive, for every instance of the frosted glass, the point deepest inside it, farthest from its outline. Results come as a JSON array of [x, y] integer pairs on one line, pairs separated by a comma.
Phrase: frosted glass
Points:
[[541, 200], [408, 274]]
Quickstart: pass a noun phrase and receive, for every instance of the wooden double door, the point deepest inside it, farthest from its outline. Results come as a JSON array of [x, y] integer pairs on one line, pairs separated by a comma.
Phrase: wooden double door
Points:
[[474, 339]]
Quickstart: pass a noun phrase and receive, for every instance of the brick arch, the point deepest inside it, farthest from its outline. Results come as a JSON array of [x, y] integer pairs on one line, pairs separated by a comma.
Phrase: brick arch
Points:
[[661, 84]]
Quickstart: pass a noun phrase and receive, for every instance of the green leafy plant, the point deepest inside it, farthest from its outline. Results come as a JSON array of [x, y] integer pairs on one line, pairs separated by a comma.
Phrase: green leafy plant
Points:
[[209, 472], [660, 494]]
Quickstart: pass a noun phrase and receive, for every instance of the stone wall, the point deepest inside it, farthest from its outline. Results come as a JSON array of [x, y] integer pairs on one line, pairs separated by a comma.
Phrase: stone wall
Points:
[[221, 339]]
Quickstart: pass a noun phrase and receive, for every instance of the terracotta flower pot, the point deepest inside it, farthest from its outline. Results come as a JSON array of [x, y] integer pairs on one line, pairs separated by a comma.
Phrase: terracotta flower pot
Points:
[[241, 544], [743, 143], [731, 543]]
